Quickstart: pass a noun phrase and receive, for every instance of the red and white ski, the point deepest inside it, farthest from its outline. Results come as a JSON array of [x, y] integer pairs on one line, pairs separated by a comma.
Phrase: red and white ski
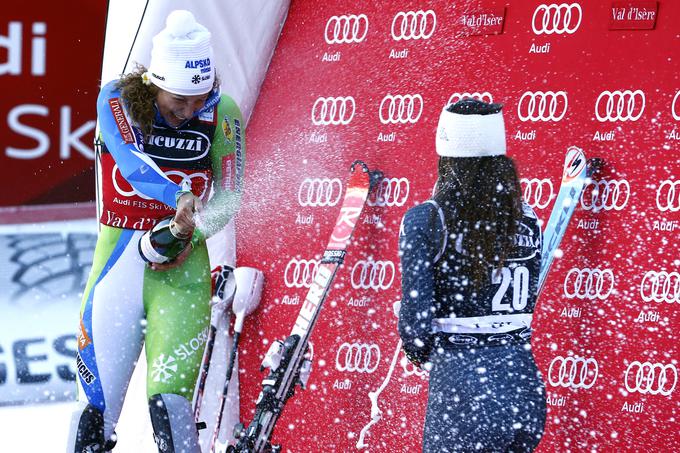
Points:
[[286, 360]]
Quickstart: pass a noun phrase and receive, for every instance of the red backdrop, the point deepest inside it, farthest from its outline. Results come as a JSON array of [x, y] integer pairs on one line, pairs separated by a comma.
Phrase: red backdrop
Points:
[[353, 80], [50, 67]]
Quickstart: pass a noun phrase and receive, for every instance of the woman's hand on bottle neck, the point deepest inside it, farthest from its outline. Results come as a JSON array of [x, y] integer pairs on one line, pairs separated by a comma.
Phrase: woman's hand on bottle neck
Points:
[[187, 205]]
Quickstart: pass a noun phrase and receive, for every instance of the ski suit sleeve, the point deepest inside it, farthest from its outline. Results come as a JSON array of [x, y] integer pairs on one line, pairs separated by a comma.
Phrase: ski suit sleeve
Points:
[[125, 143], [228, 162], [419, 243]]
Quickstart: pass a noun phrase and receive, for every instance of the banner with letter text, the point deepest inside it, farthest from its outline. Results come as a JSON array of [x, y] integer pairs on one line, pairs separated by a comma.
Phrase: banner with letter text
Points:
[[49, 78], [367, 80]]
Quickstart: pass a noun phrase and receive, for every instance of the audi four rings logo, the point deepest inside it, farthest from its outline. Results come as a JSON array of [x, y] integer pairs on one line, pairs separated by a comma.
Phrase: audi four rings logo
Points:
[[557, 19], [402, 109], [346, 29], [660, 287], [542, 106], [537, 193], [357, 357], [668, 196], [574, 372], [317, 192], [413, 25], [588, 283], [652, 378], [333, 110], [675, 108], [300, 273], [179, 177], [375, 275], [390, 192], [411, 370], [607, 195], [617, 105], [484, 97]]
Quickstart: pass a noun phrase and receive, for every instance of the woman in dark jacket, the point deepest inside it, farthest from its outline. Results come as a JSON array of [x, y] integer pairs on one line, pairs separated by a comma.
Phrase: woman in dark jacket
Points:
[[470, 260]]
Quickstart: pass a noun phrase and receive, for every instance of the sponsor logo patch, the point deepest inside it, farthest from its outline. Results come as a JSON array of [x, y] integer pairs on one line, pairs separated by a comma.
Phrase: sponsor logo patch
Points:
[[227, 130], [121, 120], [84, 372], [83, 339]]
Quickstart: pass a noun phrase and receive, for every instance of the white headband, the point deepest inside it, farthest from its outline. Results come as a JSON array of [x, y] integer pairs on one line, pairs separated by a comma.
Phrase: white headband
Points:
[[470, 135]]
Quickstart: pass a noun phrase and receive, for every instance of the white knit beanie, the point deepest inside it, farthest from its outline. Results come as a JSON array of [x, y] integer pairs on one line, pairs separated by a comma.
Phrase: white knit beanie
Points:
[[181, 57], [468, 134]]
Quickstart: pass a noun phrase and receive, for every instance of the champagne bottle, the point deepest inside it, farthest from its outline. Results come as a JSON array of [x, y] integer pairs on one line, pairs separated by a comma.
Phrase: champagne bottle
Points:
[[163, 243]]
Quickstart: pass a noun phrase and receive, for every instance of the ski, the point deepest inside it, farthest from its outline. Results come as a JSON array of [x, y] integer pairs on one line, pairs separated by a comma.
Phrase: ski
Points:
[[576, 170], [287, 360]]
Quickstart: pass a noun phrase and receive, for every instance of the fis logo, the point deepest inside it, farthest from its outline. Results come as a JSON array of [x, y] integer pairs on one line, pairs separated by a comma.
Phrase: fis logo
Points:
[[195, 180]]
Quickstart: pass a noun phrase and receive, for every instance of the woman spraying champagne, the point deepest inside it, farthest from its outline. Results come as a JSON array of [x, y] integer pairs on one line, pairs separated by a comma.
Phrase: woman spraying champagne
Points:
[[159, 127]]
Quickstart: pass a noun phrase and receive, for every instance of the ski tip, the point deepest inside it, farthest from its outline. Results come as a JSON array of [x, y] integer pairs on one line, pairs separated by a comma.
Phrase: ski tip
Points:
[[595, 165], [360, 163], [574, 164]]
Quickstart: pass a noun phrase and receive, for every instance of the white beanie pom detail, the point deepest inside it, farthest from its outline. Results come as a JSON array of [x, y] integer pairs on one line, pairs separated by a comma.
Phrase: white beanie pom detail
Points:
[[180, 23]]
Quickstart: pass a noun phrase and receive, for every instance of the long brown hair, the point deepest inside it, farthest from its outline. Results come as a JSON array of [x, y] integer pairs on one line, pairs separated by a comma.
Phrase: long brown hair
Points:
[[140, 98], [484, 195]]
